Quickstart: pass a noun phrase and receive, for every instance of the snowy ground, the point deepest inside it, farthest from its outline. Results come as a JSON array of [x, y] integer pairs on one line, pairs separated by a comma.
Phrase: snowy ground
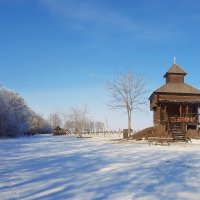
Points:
[[64, 167]]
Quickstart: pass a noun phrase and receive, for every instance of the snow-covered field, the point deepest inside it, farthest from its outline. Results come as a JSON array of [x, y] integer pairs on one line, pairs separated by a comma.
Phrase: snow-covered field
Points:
[[65, 167]]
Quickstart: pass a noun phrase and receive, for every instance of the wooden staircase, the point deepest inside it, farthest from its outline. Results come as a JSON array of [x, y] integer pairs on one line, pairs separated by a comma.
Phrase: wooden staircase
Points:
[[177, 131]]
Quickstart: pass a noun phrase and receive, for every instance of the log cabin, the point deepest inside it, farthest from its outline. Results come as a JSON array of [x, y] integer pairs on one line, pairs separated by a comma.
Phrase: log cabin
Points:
[[176, 105]]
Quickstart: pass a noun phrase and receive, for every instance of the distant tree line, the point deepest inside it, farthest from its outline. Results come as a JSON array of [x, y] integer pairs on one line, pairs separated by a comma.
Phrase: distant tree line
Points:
[[76, 121], [16, 118]]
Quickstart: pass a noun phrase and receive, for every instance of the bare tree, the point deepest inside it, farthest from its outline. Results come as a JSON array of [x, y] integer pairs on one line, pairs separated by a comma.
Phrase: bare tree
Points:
[[38, 124], [80, 118], [92, 126], [67, 122], [99, 126], [55, 119], [127, 92], [78, 121]]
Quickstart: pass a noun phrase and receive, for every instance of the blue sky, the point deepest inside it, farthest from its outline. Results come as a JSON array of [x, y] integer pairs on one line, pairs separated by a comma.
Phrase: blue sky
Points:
[[59, 53]]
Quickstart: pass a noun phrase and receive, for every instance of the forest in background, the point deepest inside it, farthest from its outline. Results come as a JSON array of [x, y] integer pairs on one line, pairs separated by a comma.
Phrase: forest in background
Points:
[[18, 119]]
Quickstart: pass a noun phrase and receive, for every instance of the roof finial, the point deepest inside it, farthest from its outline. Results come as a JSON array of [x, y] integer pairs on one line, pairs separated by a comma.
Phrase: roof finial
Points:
[[174, 60]]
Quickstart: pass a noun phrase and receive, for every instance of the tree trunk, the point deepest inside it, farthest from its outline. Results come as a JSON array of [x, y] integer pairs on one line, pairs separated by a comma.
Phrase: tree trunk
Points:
[[129, 122]]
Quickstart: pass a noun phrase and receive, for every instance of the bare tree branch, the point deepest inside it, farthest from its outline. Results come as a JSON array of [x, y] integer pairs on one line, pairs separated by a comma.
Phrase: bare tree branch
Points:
[[127, 92]]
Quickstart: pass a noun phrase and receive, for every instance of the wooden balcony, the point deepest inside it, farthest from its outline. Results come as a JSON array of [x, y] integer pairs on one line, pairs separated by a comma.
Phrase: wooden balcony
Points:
[[189, 118]]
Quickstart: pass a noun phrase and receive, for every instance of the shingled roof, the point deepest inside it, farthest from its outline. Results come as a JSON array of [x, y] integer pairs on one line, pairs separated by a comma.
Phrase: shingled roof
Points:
[[181, 88], [175, 69], [176, 87]]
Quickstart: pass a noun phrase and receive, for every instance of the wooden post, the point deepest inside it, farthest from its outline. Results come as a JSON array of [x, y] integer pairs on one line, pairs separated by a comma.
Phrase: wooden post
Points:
[[180, 111], [198, 117], [186, 116], [165, 109], [159, 118], [187, 111]]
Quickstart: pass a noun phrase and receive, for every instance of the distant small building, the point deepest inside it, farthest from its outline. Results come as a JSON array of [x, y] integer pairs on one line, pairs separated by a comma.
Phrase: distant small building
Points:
[[59, 131], [176, 105]]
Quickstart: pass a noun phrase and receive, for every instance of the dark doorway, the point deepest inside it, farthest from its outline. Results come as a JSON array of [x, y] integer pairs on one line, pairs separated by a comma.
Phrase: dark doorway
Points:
[[173, 110]]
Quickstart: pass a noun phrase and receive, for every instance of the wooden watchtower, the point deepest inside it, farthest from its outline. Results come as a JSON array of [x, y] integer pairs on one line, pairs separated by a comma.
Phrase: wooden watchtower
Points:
[[176, 105]]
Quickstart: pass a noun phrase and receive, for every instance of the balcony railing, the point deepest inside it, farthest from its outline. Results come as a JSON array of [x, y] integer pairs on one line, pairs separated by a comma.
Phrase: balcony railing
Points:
[[190, 118]]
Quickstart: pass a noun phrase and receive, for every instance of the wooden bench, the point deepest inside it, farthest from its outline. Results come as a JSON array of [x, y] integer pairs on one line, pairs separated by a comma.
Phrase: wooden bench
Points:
[[159, 140]]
